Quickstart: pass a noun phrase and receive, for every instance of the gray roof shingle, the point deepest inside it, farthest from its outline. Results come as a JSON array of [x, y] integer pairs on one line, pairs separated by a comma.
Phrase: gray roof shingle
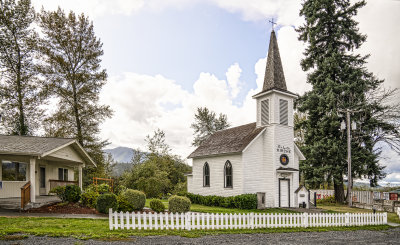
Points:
[[231, 140], [274, 76], [30, 145]]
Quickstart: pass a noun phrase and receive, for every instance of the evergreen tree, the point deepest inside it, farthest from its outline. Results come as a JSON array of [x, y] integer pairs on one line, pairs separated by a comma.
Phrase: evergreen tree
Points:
[[340, 81], [206, 123], [20, 92], [71, 65]]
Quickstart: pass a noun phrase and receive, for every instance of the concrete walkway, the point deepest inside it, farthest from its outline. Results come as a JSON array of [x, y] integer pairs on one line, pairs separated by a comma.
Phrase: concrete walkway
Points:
[[14, 203], [12, 213]]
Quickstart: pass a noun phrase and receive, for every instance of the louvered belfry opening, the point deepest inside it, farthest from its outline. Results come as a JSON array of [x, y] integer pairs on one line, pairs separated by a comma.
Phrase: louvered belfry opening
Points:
[[283, 112], [265, 112]]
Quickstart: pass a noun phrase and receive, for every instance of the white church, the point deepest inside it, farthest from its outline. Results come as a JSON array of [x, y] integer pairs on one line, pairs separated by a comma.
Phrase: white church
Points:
[[259, 157]]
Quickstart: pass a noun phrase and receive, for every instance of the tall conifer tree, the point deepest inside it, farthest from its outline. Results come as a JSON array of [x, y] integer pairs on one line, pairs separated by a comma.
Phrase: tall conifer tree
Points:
[[340, 81], [71, 64], [20, 91]]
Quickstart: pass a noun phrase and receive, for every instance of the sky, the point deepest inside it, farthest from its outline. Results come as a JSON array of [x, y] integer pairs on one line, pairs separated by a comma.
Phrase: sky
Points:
[[165, 58]]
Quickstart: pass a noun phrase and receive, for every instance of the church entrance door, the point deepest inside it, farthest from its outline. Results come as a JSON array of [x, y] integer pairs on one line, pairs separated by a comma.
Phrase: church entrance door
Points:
[[284, 193]]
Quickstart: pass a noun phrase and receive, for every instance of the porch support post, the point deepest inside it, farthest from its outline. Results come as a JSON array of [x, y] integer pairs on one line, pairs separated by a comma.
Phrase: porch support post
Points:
[[80, 176], [32, 169]]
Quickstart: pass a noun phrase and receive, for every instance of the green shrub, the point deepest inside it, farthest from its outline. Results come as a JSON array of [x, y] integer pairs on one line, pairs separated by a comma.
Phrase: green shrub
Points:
[[106, 201], [244, 201], [89, 197], [60, 192], [157, 205], [103, 188], [136, 198], [72, 193], [330, 200], [178, 204], [123, 204]]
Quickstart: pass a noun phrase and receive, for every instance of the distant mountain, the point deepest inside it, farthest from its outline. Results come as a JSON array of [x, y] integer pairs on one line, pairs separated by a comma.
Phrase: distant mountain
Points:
[[121, 154]]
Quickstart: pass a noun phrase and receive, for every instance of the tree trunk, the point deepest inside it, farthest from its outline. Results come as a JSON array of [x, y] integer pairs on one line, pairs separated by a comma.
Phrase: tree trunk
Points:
[[22, 128], [77, 119], [339, 191]]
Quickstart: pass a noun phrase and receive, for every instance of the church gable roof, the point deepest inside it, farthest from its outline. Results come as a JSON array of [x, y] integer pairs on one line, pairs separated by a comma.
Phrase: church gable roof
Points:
[[231, 140]]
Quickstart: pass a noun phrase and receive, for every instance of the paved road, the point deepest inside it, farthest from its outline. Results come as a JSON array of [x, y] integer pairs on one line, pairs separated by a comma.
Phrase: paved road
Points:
[[391, 236]]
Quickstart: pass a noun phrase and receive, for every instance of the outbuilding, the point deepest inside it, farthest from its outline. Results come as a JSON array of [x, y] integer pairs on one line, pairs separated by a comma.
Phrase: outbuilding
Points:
[[302, 194]]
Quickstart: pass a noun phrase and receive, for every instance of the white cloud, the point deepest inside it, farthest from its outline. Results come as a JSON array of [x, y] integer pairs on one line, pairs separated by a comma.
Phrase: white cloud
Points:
[[144, 103], [233, 76]]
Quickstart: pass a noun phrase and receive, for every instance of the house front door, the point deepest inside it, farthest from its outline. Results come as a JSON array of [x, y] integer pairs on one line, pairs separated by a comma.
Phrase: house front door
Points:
[[284, 196], [42, 181]]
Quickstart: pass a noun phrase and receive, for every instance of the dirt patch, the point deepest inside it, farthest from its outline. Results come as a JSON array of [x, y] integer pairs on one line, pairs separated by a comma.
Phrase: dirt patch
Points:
[[63, 208]]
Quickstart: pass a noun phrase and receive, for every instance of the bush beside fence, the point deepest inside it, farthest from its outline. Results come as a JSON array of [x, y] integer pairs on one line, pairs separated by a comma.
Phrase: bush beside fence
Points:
[[244, 201], [201, 221]]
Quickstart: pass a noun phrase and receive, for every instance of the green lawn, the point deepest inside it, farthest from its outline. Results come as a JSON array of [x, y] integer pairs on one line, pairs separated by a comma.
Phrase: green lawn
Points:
[[207, 209], [18, 227], [392, 217]]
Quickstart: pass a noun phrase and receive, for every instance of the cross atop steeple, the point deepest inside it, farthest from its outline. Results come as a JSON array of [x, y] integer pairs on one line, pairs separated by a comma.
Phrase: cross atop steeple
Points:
[[272, 23]]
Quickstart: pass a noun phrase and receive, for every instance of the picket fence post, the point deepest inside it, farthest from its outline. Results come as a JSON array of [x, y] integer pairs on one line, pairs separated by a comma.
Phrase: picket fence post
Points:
[[110, 218], [305, 220]]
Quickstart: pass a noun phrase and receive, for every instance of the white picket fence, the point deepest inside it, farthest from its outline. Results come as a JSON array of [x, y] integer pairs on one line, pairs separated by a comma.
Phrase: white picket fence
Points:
[[212, 221], [398, 212]]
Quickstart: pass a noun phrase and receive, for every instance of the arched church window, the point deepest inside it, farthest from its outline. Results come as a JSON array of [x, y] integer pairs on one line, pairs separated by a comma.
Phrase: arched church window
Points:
[[228, 175], [206, 175]]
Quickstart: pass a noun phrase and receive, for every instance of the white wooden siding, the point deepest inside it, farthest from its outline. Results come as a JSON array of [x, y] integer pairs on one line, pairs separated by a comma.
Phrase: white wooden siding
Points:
[[67, 153], [216, 165]]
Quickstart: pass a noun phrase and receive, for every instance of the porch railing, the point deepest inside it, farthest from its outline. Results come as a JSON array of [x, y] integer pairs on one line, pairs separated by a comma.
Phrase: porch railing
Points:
[[25, 194], [55, 183]]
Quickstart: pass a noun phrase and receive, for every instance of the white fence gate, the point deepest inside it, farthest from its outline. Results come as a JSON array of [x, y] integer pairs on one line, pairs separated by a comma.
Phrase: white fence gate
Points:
[[212, 221]]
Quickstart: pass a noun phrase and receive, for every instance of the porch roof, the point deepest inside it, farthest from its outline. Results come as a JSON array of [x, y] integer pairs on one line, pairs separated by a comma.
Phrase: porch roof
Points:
[[39, 146]]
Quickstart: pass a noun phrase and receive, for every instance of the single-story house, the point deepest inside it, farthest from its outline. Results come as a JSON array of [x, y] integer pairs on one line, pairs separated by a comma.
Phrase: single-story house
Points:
[[43, 162]]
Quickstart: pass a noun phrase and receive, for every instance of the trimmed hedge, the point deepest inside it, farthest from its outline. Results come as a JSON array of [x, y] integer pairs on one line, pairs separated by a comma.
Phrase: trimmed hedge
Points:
[[106, 201], [179, 204], [244, 201], [157, 205], [123, 204], [136, 198], [89, 198], [72, 193]]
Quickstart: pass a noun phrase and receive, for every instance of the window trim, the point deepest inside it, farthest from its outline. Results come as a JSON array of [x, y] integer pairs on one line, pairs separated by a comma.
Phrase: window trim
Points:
[[20, 166], [64, 170], [228, 163], [206, 165]]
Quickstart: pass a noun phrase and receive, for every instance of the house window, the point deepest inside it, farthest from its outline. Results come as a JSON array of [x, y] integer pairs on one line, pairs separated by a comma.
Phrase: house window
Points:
[[283, 112], [206, 175], [228, 174], [265, 112], [63, 174], [13, 171]]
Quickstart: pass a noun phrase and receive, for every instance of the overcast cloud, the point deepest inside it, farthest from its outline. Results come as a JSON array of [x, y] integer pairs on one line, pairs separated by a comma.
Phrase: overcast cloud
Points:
[[143, 103]]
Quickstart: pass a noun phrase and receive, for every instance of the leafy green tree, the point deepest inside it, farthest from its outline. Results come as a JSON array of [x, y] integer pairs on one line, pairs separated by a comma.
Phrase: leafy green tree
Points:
[[158, 172], [207, 123], [20, 92], [71, 56], [156, 144], [340, 81]]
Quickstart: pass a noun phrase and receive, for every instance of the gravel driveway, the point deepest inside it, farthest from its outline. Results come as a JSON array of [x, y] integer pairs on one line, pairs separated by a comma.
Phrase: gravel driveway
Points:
[[391, 236]]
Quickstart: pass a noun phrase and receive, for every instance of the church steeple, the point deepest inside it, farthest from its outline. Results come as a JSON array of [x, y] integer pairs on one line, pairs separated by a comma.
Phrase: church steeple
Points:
[[274, 77]]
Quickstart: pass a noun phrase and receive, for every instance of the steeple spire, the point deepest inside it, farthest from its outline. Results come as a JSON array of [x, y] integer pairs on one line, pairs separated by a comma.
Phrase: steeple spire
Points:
[[274, 77]]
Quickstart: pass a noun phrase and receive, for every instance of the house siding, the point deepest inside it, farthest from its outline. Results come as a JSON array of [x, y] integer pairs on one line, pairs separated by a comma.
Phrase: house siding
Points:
[[216, 164], [67, 153]]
